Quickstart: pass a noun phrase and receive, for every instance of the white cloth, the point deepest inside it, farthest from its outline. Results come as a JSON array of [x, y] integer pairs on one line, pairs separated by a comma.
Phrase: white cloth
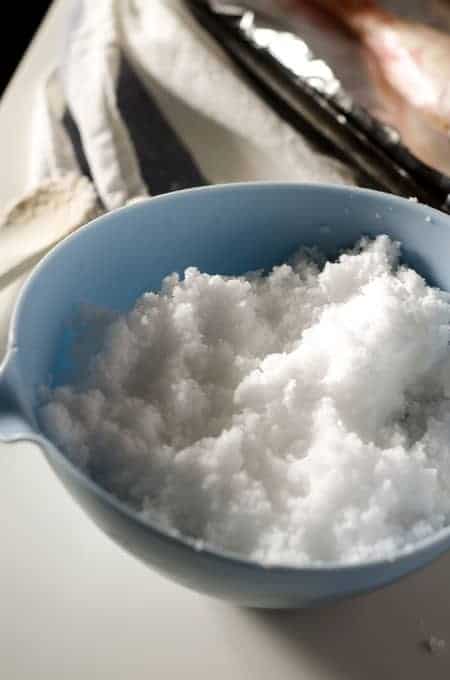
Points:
[[177, 59], [42, 218], [231, 133]]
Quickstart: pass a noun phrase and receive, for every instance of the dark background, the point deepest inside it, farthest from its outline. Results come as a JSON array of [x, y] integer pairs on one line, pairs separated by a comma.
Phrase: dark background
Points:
[[18, 28]]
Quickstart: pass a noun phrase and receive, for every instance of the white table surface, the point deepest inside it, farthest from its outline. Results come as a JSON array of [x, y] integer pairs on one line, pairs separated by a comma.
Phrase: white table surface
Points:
[[74, 605]]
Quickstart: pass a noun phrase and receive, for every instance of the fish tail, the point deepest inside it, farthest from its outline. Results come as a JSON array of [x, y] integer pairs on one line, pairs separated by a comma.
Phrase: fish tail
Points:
[[360, 16]]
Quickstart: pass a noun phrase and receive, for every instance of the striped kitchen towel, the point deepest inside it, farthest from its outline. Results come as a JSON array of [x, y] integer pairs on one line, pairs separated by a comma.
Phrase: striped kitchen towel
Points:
[[144, 102]]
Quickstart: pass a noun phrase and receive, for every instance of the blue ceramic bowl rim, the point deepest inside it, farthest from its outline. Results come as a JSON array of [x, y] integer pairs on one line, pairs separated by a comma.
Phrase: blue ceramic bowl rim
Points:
[[214, 552]]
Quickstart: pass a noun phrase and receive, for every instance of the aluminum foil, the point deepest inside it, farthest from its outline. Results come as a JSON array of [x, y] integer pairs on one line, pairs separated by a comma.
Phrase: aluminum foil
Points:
[[321, 75], [358, 76]]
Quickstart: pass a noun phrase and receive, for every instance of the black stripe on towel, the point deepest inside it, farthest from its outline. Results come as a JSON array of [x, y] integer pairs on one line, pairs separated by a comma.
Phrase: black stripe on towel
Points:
[[74, 135], [165, 162]]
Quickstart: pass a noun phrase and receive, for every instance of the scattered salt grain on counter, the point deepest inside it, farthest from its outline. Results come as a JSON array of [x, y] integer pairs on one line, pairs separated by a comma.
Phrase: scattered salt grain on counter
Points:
[[294, 418], [431, 642], [434, 645]]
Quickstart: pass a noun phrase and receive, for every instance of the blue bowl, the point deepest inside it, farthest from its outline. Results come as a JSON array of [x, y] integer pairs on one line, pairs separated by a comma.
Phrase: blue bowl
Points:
[[230, 230]]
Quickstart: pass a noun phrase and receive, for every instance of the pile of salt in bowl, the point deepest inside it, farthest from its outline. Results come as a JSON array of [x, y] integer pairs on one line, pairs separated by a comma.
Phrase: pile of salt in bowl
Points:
[[294, 418]]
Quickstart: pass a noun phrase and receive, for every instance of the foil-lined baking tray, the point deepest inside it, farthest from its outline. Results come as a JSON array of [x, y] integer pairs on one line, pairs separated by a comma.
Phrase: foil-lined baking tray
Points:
[[319, 79]]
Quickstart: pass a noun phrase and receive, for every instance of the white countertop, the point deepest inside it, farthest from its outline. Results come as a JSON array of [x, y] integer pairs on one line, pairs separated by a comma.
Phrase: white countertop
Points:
[[73, 605]]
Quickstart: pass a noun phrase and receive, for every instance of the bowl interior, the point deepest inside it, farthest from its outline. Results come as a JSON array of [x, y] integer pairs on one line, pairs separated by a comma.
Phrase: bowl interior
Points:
[[228, 230]]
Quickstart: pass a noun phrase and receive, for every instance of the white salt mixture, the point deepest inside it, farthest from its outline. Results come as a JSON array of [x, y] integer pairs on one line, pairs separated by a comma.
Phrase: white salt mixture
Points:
[[294, 418]]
